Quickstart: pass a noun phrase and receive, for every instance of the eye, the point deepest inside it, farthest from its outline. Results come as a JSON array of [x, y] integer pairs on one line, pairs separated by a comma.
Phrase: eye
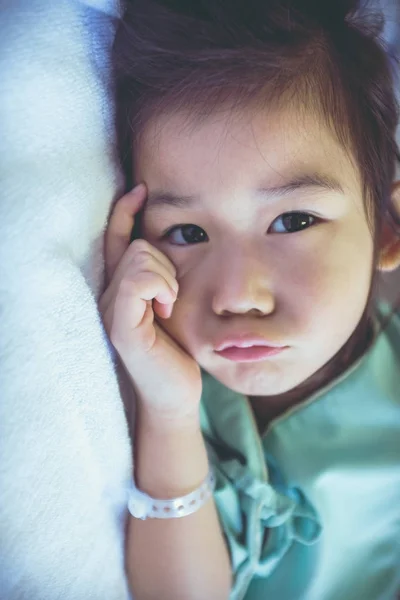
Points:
[[190, 234], [295, 220]]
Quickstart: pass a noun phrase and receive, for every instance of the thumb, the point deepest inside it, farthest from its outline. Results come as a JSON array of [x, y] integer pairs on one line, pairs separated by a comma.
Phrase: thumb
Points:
[[120, 226]]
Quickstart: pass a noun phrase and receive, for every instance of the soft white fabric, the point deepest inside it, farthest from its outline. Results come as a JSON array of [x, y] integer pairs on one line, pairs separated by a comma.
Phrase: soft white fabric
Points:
[[65, 449]]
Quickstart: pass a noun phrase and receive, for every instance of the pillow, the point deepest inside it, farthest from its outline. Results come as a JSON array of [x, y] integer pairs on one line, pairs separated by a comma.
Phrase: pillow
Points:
[[66, 455]]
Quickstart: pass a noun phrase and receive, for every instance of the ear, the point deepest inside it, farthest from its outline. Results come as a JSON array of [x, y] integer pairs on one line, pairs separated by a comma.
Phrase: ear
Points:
[[390, 243]]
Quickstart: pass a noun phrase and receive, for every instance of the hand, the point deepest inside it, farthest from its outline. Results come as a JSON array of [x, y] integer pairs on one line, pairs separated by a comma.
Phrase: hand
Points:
[[140, 281]]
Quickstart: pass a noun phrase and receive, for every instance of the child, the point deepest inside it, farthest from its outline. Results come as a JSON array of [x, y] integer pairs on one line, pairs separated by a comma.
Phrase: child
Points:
[[245, 309]]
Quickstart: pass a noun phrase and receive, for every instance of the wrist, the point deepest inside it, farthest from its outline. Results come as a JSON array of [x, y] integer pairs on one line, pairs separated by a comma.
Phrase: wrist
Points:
[[162, 423], [170, 460]]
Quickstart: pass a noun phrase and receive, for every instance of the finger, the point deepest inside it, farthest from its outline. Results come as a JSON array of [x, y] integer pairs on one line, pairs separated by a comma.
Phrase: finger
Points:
[[163, 310], [133, 299], [151, 259], [143, 247], [120, 226], [132, 269], [151, 285], [142, 256], [160, 256]]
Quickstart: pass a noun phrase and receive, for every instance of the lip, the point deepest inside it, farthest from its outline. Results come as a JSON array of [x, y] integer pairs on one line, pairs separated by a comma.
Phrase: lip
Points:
[[249, 354], [246, 341]]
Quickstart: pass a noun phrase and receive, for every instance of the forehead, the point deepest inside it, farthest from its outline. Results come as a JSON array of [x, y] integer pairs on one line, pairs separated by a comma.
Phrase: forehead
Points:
[[238, 149]]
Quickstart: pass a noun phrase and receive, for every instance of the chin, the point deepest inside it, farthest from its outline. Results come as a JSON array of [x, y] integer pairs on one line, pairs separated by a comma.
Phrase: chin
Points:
[[249, 382]]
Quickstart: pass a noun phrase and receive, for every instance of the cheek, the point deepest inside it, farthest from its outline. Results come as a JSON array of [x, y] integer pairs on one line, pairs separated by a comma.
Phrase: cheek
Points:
[[340, 292], [338, 257], [350, 263], [327, 283]]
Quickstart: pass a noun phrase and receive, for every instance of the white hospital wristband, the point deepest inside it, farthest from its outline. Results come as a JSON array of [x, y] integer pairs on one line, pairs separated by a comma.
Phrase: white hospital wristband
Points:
[[143, 506]]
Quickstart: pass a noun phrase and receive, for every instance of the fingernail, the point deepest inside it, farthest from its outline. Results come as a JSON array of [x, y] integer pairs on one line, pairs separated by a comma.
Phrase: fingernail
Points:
[[138, 188]]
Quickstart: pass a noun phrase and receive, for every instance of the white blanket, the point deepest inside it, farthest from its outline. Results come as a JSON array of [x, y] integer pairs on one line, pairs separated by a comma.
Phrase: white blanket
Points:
[[65, 448]]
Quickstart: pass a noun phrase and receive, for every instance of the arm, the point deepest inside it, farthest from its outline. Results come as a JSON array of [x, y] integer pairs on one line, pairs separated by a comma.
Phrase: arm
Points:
[[181, 558]]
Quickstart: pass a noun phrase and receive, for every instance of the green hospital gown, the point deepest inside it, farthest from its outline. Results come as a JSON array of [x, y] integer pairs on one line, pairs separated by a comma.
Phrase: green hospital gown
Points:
[[311, 511]]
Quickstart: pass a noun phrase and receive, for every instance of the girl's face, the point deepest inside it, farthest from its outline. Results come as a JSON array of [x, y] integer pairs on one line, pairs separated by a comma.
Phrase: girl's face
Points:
[[244, 265]]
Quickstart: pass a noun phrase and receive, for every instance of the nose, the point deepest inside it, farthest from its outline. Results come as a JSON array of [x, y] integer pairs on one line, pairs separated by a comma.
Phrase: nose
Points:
[[242, 287]]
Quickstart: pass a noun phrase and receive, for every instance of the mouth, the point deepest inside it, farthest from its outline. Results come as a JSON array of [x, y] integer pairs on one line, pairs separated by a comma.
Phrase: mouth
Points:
[[250, 354]]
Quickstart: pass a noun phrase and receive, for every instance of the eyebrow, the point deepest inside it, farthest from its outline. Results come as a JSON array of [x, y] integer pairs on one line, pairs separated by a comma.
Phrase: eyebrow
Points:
[[316, 181]]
